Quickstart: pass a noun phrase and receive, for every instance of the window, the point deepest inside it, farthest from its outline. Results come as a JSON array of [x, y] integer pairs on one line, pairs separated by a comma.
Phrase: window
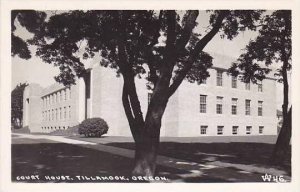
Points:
[[65, 112], [247, 107], [52, 114], [219, 105], [261, 129], [219, 78], [69, 92], [65, 94], [203, 129], [234, 82], [203, 103], [69, 112], [56, 114], [260, 108], [54, 98], [260, 86], [220, 130], [248, 130], [62, 95], [49, 115], [51, 99], [60, 113], [235, 130], [58, 97], [149, 97], [247, 86], [234, 106]]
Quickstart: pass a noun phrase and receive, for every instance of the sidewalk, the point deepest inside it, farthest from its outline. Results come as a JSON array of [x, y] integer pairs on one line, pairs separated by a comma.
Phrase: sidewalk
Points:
[[213, 168]]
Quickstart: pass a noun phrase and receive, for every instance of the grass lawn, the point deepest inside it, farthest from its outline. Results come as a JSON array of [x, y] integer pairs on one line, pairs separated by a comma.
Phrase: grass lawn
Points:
[[50, 158], [234, 152]]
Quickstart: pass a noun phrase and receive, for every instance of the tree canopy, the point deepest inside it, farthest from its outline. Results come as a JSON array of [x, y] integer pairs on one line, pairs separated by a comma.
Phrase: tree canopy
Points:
[[163, 43], [272, 45], [31, 20]]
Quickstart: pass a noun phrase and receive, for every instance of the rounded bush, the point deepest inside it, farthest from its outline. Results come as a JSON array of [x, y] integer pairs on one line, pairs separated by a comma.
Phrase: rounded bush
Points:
[[93, 127]]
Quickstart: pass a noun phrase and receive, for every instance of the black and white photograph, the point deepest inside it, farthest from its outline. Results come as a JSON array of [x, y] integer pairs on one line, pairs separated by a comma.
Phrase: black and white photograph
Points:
[[195, 96]]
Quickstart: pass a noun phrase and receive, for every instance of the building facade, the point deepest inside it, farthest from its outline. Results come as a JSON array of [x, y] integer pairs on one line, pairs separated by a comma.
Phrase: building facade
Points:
[[222, 105]]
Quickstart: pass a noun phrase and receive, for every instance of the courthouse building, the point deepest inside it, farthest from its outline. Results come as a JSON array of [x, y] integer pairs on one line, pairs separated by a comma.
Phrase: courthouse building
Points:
[[222, 105]]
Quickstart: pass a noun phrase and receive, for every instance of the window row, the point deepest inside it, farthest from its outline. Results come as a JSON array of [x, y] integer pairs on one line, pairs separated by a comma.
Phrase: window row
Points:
[[56, 127], [61, 113], [234, 84], [234, 131], [234, 106], [56, 97]]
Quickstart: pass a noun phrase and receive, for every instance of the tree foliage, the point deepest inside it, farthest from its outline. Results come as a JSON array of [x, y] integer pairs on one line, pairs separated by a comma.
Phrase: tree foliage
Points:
[[29, 19], [60, 39], [163, 43], [17, 105], [273, 45]]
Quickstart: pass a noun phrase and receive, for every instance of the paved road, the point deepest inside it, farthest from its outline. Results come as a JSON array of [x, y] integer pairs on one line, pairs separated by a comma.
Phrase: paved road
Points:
[[214, 168]]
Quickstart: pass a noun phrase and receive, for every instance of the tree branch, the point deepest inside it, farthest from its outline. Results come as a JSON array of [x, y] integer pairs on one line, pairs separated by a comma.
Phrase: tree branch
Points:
[[195, 52]]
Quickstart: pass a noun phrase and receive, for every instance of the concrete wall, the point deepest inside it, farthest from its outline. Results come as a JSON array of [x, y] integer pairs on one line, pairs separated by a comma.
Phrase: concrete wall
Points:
[[190, 118], [65, 106], [182, 116], [32, 107]]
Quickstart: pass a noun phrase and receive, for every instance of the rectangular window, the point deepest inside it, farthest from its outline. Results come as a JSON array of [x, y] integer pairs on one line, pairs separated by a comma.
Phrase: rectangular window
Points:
[[203, 103], [60, 113], [220, 130], [248, 130], [219, 78], [261, 129], [56, 114], [260, 108], [234, 82], [235, 130], [61, 95], [234, 106], [58, 97], [260, 86], [49, 115], [65, 112], [52, 114], [65, 94], [149, 97], [219, 106], [69, 112], [247, 107], [203, 129], [247, 86]]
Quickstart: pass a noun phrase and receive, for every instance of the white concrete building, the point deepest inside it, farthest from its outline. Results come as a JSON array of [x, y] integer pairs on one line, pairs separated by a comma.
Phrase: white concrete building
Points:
[[222, 105]]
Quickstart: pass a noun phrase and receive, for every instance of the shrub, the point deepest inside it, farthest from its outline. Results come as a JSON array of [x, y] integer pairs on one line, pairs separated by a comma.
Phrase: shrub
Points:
[[93, 127]]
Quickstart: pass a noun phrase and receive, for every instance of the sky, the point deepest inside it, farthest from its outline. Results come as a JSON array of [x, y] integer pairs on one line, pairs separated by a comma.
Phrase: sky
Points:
[[35, 70]]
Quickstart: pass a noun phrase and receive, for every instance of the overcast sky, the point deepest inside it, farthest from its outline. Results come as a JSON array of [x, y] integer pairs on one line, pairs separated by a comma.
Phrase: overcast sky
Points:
[[35, 70]]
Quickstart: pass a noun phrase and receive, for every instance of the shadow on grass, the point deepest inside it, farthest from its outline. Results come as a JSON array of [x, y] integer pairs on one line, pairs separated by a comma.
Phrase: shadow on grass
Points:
[[57, 159], [256, 154]]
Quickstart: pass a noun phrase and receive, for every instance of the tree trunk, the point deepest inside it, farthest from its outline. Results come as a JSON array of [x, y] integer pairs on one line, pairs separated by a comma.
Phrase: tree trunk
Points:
[[284, 137], [283, 141], [147, 144]]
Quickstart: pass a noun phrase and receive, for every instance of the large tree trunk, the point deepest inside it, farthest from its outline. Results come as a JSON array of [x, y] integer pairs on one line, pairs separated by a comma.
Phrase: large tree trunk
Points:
[[282, 146], [147, 144], [284, 137]]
